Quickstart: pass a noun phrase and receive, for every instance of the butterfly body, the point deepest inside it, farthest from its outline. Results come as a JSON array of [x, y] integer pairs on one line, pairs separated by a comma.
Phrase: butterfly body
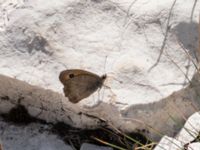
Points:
[[79, 84]]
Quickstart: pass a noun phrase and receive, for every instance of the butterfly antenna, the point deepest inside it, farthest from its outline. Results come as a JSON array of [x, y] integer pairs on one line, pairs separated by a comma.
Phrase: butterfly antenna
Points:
[[104, 76], [105, 64]]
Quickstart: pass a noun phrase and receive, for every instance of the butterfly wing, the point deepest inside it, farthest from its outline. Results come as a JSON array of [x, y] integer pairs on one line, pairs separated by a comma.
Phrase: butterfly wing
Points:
[[81, 86]]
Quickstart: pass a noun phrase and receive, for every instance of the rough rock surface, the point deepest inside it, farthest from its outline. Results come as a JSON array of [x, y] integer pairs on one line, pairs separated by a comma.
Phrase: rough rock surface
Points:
[[39, 38], [187, 138], [30, 137]]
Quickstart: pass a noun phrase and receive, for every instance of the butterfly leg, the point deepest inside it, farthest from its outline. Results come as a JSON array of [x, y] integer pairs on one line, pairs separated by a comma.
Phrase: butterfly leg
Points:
[[112, 94]]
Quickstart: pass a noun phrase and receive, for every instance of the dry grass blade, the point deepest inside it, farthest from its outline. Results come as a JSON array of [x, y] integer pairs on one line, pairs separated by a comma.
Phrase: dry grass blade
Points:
[[199, 38], [193, 8], [128, 137], [148, 126], [165, 37], [146, 147], [184, 118], [125, 141], [108, 144], [187, 54]]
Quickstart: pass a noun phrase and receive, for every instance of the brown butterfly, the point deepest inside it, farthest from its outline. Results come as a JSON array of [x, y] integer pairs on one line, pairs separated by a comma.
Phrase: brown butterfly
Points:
[[79, 84]]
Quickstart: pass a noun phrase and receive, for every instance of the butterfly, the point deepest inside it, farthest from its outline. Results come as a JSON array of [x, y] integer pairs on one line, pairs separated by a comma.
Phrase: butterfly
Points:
[[79, 84]]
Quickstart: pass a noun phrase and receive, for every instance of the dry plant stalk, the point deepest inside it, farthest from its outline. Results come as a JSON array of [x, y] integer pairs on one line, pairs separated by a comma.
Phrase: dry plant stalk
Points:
[[198, 49], [1, 148]]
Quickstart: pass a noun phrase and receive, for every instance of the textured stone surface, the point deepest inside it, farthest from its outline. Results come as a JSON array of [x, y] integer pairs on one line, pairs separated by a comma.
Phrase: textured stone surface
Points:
[[187, 138], [38, 39], [30, 137]]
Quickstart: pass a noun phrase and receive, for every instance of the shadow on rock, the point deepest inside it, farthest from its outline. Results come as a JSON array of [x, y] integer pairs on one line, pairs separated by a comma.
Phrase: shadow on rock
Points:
[[187, 35]]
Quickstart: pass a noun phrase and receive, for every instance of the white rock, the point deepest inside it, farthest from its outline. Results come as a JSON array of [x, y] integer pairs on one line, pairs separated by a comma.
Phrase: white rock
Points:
[[190, 130], [30, 137], [168, 143], [38, 39], [43, 104], [185, 137], [50, 40], [194, 146]]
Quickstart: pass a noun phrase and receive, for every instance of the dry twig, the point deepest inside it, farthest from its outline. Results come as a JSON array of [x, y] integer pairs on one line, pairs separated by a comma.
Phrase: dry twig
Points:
[[165, 38]]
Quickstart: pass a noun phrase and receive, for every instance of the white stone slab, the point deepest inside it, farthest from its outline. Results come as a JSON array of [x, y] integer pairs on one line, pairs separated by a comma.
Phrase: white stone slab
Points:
[[38, 39]]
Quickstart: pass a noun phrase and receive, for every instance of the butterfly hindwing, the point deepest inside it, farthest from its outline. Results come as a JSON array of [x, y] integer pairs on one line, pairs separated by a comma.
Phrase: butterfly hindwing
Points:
[[81, 86]]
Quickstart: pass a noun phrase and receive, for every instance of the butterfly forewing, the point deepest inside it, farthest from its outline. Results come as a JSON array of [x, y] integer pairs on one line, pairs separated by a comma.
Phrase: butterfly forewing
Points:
[[81, 86]]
